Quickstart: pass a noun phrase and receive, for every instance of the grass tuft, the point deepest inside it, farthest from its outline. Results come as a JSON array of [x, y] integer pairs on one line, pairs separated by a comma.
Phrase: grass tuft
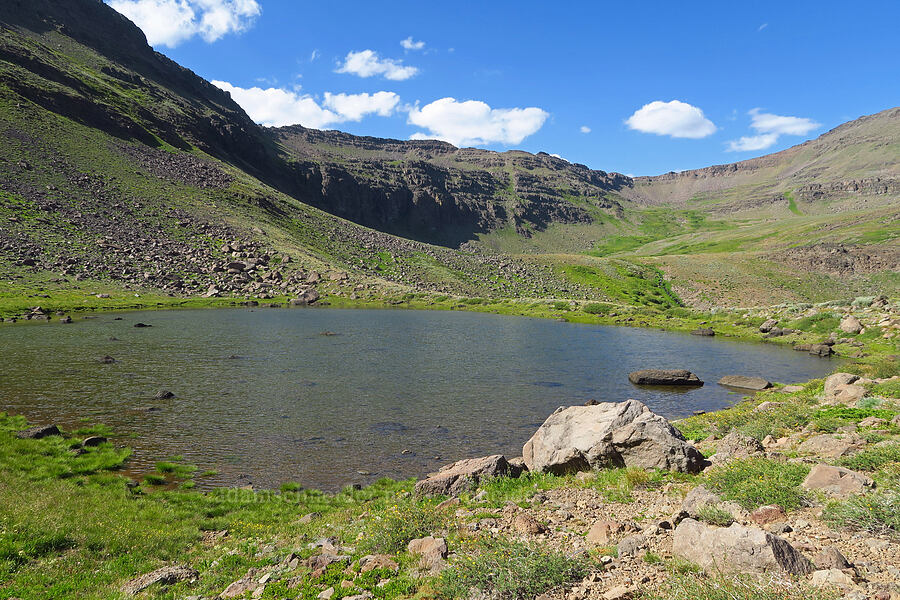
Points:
[[509, 570], [756, 482]]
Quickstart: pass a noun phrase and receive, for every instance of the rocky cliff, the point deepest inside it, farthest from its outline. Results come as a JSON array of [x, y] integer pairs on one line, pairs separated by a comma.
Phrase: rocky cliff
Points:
[[433, 191]]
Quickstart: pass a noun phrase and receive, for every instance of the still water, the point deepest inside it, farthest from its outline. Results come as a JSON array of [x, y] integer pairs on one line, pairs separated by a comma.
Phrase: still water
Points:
[[264, 396]]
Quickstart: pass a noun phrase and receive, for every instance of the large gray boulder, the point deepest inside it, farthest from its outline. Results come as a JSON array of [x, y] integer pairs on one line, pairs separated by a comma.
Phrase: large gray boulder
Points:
[[664, 377], [609, 434], [737, 549], [463, 475]]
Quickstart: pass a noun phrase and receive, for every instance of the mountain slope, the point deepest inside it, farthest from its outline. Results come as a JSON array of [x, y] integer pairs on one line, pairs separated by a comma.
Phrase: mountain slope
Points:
[[860, 158], [120, 168]]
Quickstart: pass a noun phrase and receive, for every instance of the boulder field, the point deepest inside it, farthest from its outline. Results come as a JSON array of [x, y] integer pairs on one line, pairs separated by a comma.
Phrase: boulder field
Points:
[[767, 540]]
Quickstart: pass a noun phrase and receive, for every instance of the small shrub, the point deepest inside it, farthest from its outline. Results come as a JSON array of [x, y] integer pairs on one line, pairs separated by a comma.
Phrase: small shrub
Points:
[[509, 570], [868, 402], [876, 512], [872, 459], [597, 308], [291, 486], [391, 530], [153, 479], [652, 559], [863, 301], [715, 515], [758, 481], [560, 305], [888, 389]]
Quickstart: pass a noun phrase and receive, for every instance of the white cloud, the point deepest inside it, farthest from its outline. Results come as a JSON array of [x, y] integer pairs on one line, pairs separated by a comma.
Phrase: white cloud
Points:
[[277, 107], [409, 44], [353, 107], [763, 26], [753, 142], [367, 63], [676, 119], [769, 128], [170, 22], [585, 129], [474, 123], [769, 123], [314, 55]]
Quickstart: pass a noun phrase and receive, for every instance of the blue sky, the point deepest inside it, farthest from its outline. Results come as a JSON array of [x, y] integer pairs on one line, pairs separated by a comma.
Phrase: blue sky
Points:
[[638, 88]]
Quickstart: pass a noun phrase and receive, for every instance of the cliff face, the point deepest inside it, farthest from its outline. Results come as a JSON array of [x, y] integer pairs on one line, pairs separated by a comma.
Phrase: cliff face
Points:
[[433, 191]]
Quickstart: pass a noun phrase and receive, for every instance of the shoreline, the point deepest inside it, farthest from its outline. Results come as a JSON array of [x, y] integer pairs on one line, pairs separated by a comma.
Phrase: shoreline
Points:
[[598, 533]]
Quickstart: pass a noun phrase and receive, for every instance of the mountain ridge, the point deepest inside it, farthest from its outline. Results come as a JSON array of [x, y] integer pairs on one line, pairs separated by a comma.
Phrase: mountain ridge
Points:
[[107, 140]]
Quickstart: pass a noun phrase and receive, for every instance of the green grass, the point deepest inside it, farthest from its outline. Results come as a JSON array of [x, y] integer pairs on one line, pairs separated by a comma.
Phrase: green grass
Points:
[[757, 481], [401, 521], [697, 586], [873, 459], [500, 490], [823, 323], [509, 570], [793, 412], [629, 282], [715, 515], [877, 512], [792, 204]]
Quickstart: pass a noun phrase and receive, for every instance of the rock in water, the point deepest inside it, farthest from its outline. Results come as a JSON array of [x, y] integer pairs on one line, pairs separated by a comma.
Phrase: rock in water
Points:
[[745, 383], [737, 549], [463, 475], [821, 350], [664, 377], [609, 434]]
